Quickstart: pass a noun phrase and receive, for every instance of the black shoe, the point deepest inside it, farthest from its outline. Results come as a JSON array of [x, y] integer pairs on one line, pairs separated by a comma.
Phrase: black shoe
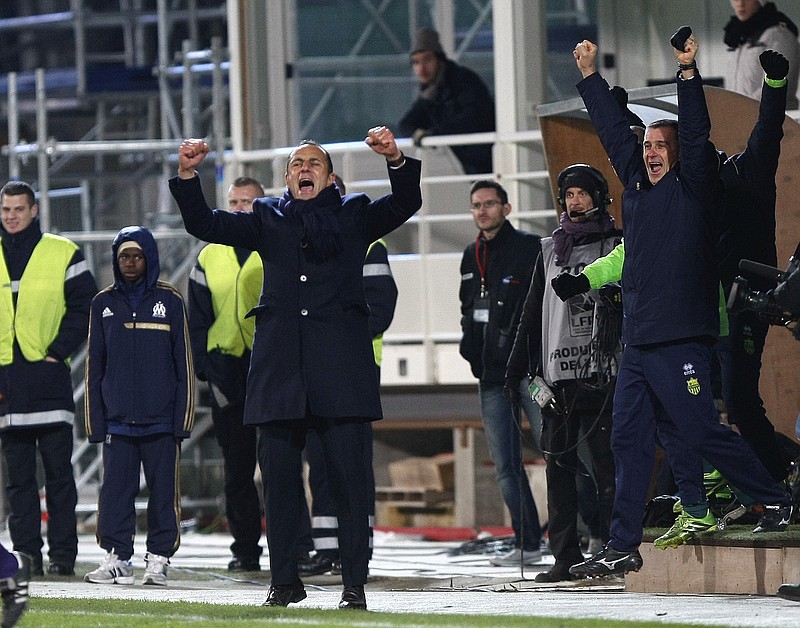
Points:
[[608, 562], [14, 592], [336, 568], [36, 564], [240, 563], [353, 598], [285, 594], [776, 518], [313, 565], [60, 569], [557, 573], [789, 592]]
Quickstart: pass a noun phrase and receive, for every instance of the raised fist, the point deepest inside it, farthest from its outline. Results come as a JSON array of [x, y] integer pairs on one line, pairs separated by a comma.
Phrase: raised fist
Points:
[[678, 39], [775, 64]]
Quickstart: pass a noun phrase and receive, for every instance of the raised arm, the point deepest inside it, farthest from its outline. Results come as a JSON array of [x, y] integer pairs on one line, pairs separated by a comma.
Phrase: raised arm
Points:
[[698, 157], [610, 122]]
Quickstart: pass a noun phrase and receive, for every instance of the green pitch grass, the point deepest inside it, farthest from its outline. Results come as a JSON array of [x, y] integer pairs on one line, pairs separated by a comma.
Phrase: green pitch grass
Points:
[[81, 613]]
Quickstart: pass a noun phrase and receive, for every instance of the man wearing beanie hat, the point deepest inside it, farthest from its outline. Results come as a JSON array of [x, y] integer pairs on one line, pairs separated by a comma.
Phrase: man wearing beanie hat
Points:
[[452, 99], [756, 26], [140, 405], [549, 330]]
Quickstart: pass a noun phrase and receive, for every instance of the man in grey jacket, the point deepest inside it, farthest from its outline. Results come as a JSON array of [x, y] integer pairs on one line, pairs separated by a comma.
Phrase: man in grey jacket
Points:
[[756, 26]]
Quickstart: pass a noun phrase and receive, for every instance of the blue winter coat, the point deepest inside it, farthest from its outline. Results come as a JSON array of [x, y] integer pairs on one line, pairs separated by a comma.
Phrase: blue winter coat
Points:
[[669, 279], [139, 365], [312, 352]]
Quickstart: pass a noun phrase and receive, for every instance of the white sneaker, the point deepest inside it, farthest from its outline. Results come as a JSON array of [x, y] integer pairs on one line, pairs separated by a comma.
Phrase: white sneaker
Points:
[[156, 570], [513, 558], [111, 571]]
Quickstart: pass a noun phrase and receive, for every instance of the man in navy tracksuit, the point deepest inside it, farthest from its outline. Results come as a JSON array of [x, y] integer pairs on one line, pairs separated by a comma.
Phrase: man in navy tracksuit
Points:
[[670, 292], [140, 405]]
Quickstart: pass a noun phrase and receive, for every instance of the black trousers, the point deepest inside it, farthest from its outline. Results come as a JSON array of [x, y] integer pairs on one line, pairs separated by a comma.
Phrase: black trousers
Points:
[[739, 357], [242, 502], [280, 448], [560, 437], [54, 443], [324, 522]]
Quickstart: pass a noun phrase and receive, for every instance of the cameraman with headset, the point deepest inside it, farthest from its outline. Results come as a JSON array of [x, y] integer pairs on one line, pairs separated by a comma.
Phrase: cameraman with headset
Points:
[[555, 342]]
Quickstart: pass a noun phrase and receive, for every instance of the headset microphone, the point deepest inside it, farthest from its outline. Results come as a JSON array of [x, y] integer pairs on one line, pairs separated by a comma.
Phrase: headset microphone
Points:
[[589, 212]]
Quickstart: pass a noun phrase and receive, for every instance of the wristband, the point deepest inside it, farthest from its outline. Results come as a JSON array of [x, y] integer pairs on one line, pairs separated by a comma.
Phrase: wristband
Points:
[[775, 82], [688, 66], [397, 162]]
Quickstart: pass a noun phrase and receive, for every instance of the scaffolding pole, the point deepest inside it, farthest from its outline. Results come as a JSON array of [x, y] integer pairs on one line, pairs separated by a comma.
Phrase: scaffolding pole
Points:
[[41, 153]]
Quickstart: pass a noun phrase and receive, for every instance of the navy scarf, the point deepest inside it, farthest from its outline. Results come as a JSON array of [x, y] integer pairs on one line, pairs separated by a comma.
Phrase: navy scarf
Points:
[[317, 221]]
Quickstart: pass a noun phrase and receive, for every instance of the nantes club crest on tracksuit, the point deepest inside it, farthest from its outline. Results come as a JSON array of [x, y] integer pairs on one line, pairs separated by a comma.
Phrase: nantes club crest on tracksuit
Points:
[[692, 384]]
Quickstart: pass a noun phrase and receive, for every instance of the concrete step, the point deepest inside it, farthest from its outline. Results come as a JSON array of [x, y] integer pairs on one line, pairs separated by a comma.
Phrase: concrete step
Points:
[[731, 561]]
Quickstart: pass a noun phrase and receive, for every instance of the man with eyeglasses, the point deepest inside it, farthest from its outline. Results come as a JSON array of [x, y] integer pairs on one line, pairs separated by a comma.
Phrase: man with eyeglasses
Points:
[[496, 271]]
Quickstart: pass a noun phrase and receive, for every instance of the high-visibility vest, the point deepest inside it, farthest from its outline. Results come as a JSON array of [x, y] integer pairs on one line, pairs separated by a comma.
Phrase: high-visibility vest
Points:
[[377, 341], [41, 304], [234, 292]]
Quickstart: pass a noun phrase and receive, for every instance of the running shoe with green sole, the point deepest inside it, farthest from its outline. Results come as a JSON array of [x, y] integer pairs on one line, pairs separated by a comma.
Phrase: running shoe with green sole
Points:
[[685, 528]]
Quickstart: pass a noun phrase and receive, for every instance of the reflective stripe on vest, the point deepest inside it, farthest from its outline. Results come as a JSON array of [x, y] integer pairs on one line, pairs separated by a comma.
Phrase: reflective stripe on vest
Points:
[[375, 270], [40, 299], [234, 292]]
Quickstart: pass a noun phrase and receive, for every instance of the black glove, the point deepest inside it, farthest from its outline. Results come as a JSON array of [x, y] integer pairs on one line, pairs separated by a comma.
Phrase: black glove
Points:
[[775, 64], [511, 391], [621, 96], [567, 285], [678, 40]]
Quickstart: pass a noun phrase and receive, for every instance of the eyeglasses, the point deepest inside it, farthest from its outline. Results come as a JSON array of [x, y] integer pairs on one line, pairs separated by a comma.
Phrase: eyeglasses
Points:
[[491, 203]]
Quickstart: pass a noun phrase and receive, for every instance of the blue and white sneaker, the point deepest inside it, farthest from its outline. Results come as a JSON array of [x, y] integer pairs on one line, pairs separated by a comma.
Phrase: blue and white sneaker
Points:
[[111, 571], [156, 569]]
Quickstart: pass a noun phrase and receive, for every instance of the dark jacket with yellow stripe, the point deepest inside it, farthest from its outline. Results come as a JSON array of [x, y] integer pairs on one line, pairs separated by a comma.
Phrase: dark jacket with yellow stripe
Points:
[[139, 367]]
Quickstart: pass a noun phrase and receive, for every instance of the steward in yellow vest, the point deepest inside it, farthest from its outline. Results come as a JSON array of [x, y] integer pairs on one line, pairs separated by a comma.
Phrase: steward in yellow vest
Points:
[[45, 291], [224, 286]]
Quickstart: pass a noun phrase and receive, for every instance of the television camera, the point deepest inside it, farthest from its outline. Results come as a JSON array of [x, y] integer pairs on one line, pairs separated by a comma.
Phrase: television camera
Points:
[[778, 306]]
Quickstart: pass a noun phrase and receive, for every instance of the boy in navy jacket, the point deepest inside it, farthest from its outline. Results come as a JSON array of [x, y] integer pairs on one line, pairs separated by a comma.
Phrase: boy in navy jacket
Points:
[[140, 405]]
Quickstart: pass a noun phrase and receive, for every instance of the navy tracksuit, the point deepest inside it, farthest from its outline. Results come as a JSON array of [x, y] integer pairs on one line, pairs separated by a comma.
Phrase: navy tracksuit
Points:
[[670, 297]]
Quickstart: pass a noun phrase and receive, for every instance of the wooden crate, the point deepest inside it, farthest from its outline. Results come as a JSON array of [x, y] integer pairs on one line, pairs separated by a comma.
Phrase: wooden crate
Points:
[[420, 473]]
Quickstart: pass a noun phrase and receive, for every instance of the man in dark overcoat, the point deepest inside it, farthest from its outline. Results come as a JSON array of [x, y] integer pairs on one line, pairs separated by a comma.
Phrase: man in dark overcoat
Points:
[[312, 365]]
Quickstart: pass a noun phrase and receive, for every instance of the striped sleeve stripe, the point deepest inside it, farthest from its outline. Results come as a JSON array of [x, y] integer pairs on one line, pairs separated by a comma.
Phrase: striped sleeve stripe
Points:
[[377, 270], [77, 269]]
